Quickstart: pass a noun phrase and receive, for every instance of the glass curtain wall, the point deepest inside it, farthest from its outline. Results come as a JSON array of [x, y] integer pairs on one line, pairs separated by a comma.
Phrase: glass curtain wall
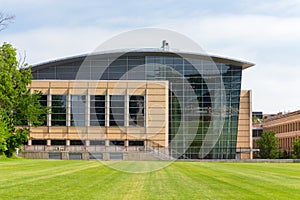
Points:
[[43, 103], [97, 110], [136, 110], [204, 79], [78, 110], [117, 110], [58, 110]]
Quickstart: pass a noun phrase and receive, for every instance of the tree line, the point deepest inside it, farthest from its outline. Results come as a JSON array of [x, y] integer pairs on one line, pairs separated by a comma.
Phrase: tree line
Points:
[[20, 108]]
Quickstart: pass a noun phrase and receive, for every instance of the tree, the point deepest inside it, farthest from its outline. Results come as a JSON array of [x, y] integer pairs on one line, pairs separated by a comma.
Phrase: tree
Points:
[[19, 107], [4, 132], [268, 145], [5, 20], [296, 148]]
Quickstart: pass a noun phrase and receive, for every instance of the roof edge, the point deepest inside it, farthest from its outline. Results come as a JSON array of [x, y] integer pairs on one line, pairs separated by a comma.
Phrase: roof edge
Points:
[[215, 58]]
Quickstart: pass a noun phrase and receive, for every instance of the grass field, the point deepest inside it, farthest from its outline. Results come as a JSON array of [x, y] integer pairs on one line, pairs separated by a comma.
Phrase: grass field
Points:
[[49, 179]]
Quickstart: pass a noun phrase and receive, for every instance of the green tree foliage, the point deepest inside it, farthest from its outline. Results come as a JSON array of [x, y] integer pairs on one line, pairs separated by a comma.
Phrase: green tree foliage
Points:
[[268, 145], [4, 132], [18, 105], [296, 148]]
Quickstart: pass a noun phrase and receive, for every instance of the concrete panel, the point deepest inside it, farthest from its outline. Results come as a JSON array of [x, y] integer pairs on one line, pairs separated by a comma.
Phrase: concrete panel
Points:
[[59, 91], [59, 84], [97, 91], [136, 85], [78, 84], [244, 138]]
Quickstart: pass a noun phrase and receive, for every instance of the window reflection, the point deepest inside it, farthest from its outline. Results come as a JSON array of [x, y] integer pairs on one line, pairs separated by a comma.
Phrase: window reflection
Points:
[[58, 110], [136, 110]]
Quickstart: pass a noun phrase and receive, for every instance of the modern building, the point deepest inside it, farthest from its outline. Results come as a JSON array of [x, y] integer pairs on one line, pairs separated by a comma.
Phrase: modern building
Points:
[[142, 104]]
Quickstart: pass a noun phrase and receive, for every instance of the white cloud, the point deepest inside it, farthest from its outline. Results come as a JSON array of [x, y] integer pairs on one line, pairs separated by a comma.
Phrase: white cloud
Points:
[[251, 31], [274, 87], [56, 42], [272, 43], [274, 7]]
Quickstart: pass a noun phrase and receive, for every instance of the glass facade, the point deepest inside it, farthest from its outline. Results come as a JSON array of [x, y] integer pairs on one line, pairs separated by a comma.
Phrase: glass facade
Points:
[[78, 110], [117, 110], [97, 110], [43, 103], [136, 110], [203, 98], [58, 110]]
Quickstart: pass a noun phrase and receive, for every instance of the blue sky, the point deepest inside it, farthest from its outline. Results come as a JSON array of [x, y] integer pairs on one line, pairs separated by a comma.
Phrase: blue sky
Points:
[[266, 33]]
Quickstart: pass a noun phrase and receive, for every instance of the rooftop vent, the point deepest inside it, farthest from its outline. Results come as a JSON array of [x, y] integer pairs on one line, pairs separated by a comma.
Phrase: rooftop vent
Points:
[[165, 45]]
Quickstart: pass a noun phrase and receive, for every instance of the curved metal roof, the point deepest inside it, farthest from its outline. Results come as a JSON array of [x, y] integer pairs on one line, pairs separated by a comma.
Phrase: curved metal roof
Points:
[[145, 51]]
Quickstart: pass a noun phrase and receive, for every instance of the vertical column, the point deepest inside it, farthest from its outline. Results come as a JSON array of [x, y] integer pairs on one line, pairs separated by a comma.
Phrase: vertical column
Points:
[[167, 113], [68, 111], [126, 107], [88, 105], [126, 143], [87, 143], [146, 106], [250, 123], [49, 104], [106, 143], [107, 117], [107, 107], [87, 117], [48, 142]]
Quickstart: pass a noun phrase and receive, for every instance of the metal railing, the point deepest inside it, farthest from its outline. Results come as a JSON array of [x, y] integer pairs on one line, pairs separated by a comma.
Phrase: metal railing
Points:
[[82, 148]]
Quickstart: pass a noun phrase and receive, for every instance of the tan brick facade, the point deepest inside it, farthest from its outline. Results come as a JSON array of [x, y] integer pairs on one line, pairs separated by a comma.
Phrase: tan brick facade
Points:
[[244, 139], [286, 127], [154, 133], [155, 130]]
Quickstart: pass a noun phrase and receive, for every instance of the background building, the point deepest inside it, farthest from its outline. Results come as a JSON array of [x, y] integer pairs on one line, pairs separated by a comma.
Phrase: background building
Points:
[[257, 125], [143, 104], [286, 127]]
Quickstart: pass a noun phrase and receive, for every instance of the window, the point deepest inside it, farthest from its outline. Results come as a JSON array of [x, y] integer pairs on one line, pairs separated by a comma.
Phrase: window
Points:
[[117, 142], [58, 110], [75, 156], [77, 142], [43, 103], [78, 104], [116, 112], [136, 143], [95, 156], [39, 142], [116, 156], [97, 110], [136, 110], [58, 142], [97, 142], [55, 156]]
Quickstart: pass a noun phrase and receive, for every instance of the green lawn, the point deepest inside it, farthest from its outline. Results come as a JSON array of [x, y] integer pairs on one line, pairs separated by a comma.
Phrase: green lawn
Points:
[[49, 179]]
